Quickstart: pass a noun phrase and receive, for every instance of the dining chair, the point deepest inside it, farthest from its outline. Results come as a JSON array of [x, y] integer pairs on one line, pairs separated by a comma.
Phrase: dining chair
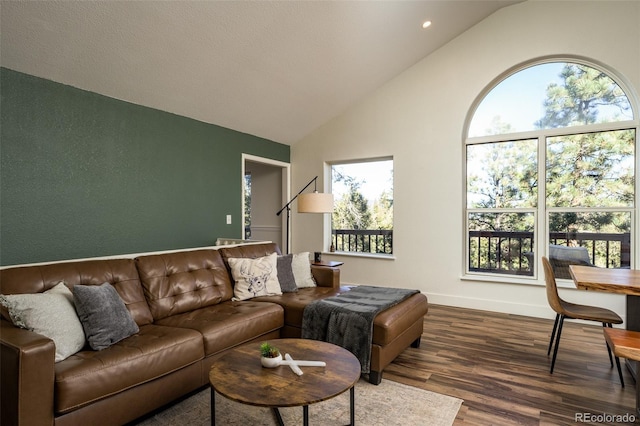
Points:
[[564, 309]]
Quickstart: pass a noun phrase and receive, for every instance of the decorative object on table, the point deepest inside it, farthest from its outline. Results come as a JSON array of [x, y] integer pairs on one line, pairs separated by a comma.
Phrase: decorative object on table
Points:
[[314, 202], [296, 364], [317, 256], [270, 356], [293, 365]]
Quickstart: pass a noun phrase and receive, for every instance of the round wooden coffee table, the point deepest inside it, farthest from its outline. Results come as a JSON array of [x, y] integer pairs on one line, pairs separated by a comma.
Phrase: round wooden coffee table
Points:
[[239, 376]]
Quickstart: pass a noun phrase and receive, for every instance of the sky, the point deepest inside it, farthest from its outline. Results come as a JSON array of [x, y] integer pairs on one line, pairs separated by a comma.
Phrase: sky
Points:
[[377, 177], [518, 100]]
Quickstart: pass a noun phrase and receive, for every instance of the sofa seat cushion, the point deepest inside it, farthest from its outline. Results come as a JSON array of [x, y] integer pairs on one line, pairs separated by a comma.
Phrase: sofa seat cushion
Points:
[[153, 352], [294, 303], [230, 323], [392, 322]]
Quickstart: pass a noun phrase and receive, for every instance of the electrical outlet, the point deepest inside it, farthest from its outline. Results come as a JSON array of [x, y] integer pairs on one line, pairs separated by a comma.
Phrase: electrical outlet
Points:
[[228, 219]]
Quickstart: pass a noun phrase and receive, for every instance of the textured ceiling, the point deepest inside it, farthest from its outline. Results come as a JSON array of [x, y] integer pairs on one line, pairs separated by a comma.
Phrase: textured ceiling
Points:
[[274, 69]]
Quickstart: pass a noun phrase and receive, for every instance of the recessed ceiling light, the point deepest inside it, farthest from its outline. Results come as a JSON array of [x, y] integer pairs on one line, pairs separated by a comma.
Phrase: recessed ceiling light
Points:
[[426, 24]]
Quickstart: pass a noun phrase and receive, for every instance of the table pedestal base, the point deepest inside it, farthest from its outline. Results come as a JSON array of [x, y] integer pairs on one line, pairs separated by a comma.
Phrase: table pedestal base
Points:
[[305, 410]]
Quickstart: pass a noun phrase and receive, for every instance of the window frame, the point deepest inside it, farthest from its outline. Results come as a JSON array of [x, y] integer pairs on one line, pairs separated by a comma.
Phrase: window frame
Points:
[[329, 234], [542, 211]]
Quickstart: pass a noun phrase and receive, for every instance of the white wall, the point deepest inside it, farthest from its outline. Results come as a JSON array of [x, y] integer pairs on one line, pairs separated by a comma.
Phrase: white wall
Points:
[[419, 118]]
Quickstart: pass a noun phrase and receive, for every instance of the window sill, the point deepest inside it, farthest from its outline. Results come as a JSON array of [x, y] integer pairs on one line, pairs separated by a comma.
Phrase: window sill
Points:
[[359, 255], [518, 280]]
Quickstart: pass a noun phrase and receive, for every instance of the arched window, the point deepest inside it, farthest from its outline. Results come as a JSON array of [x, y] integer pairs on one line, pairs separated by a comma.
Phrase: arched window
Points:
[[550, 161]]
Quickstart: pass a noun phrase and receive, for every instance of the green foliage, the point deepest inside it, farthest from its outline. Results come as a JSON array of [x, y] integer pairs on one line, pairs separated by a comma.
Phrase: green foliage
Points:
[[351, 212], [505, 175], [268, 351], [382, 211], [247, 205], [591, 170], [576, 101]]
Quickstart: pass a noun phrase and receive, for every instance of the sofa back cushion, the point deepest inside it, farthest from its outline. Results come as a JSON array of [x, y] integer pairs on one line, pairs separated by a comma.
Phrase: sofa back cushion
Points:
[[180, 282], [121, 273], [252, 251]]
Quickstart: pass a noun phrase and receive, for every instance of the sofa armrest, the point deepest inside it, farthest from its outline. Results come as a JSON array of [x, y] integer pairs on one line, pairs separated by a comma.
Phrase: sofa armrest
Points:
[[326, 276], [27, 370]]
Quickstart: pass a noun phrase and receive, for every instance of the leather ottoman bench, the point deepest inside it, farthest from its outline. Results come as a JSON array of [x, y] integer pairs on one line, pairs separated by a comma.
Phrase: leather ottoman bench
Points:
[[394, 329]]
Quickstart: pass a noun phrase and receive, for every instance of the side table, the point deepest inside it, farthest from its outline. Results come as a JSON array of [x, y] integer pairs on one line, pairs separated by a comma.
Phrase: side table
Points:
[[330, 263]]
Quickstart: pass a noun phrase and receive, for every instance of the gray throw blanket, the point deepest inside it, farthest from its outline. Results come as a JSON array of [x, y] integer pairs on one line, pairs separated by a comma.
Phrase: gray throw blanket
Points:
[[346, 320]]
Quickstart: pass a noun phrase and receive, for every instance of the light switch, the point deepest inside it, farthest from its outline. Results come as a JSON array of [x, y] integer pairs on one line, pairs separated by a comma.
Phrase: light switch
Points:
[[228, 219]]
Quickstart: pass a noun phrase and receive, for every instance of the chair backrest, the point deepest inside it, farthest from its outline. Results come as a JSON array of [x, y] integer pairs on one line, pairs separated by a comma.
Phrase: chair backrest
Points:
[[552, 289], [562, 256]]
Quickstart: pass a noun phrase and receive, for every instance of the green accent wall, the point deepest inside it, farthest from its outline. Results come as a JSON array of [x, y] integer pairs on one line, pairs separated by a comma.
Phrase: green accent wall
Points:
[[85, 175]]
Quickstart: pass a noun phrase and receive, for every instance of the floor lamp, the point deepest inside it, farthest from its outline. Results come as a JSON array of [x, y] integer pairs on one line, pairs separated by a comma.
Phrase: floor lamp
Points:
[[314, 202]]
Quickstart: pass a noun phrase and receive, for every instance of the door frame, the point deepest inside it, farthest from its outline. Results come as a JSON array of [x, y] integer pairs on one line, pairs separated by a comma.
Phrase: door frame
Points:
[[285, 190]]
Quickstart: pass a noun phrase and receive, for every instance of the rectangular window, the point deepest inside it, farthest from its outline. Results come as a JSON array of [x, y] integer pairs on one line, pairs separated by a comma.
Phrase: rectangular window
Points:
[[502, 174], [605, 235], [591, 169], [588, 199], [501, 243], [362, 220], [502, 194]]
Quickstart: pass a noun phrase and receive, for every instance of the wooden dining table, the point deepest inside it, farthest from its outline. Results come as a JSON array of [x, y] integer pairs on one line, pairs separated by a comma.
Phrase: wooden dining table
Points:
[[618, 281], [621, 281]]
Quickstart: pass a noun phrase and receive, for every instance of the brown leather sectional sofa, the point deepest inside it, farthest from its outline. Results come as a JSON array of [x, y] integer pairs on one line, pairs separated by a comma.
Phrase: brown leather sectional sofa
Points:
[[182, 305]]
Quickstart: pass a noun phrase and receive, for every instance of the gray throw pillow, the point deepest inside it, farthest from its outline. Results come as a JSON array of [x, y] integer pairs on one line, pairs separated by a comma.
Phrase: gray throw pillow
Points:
[[103, 315], [285, 274]]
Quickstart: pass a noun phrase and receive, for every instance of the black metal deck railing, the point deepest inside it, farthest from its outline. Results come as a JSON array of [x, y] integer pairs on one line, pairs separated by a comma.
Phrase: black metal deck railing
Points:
[[500, 252], [505, 252], [363, 240]]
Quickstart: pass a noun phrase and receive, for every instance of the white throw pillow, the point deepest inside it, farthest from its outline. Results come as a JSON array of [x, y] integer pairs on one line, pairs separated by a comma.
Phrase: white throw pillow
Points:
[[255, 277], [51, 314], [301, 266]]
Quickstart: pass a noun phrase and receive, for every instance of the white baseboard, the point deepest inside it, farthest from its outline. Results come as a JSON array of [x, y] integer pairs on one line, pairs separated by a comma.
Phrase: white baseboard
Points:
[[529, 310], [538, 311]]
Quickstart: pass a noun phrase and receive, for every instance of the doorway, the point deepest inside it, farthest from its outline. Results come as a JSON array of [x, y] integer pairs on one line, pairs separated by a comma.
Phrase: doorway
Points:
[[266, 184]]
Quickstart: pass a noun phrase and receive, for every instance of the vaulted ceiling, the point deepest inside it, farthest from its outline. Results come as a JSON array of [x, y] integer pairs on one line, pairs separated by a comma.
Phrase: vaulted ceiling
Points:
[[274, 69]]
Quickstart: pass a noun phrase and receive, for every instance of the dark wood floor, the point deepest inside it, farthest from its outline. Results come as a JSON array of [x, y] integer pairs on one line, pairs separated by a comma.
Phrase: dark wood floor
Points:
[[497, 363]]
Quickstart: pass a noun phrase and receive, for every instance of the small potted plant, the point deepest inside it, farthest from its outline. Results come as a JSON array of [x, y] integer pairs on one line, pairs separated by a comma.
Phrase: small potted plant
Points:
[[270, 355]]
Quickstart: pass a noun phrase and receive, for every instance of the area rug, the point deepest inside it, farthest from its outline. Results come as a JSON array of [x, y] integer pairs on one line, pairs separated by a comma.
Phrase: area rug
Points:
[[389, 403]]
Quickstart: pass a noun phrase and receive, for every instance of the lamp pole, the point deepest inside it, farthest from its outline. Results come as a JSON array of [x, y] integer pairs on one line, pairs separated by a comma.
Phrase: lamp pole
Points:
[[288, 207]]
